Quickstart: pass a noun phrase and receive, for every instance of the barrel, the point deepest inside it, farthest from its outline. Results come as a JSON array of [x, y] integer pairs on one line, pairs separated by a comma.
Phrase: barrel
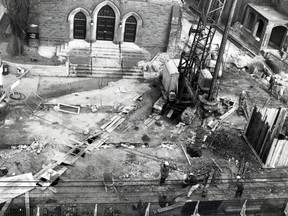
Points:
[[33, 35], [3, 112]]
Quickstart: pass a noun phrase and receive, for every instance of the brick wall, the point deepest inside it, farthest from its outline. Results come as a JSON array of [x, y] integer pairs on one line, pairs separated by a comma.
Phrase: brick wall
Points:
[[51, 16]]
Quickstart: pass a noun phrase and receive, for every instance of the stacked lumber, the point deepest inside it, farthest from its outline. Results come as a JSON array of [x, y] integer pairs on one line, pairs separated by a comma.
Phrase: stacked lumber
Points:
[[213, 124], [114, 122], [263, 128], [151, 120]]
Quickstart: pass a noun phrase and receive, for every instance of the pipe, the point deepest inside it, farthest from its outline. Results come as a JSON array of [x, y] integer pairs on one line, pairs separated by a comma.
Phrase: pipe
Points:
[[213, 86]]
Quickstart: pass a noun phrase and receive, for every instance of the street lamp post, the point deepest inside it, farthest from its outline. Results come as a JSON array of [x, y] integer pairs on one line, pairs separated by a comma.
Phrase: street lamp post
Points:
[[91, 29]]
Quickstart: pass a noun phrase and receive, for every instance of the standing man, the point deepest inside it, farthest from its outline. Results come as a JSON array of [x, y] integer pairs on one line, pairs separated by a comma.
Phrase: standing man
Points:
[[240, 187], [164, 172], [272, 82]]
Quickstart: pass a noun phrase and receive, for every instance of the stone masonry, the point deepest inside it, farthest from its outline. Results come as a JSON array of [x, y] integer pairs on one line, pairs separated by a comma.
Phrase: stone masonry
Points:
[[52, 18]]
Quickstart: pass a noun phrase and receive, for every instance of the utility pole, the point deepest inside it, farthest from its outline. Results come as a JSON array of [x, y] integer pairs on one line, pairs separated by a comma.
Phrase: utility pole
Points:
[[212, 91]]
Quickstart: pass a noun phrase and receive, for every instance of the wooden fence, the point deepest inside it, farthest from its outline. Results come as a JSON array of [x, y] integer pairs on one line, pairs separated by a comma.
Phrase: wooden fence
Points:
[[262, 131]]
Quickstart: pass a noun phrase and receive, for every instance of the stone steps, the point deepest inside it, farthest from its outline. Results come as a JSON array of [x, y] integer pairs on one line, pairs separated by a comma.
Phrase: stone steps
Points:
[[107, 61], [85, 70]]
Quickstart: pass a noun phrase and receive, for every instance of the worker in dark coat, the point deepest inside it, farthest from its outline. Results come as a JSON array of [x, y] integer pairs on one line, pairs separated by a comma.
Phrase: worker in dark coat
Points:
[[164, 172], [240, 187], [272, 82], [190, 179]]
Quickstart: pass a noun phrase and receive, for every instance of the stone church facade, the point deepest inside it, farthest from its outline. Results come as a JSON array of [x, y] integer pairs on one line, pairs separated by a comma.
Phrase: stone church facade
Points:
[[143, 22]]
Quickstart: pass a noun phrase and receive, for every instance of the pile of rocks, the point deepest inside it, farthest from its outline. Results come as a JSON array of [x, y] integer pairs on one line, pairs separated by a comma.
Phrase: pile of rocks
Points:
[[36, 147]]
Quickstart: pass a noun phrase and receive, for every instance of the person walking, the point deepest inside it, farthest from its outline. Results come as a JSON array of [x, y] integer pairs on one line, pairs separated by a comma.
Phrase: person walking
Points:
[[164, 172]]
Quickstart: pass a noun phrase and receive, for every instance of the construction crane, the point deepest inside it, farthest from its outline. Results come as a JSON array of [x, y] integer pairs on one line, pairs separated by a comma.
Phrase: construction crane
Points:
[[192, 63], [190, 82]]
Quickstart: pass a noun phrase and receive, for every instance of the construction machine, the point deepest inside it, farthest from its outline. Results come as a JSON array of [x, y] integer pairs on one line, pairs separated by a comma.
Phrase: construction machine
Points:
[[200, 63]]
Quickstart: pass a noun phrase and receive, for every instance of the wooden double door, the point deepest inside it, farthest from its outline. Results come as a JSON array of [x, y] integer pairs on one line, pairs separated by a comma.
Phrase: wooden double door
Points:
[[105, 24]]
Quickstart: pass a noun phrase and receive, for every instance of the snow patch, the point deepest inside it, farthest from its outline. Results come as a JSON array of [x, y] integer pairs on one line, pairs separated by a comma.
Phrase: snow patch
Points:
[[47, 51]]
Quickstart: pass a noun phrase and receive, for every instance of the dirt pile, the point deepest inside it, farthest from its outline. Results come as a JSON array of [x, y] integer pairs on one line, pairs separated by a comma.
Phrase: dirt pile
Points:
[[230, 144]]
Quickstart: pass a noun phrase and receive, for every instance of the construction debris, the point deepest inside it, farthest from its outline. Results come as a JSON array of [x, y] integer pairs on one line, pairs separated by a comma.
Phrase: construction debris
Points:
[[68, 108], [180, 127], [159, 105], [37, 146], [188, 115], [213, 124]]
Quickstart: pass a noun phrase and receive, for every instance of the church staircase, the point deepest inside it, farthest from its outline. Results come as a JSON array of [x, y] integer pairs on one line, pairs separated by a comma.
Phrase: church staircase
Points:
[[103, 59]]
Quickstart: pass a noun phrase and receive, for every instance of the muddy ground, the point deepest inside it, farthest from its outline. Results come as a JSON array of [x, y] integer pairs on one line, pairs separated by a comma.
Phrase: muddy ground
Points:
[[52, 130]]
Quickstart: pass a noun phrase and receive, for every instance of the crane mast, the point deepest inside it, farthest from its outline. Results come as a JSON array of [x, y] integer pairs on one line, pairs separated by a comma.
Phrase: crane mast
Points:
[[193, 61]]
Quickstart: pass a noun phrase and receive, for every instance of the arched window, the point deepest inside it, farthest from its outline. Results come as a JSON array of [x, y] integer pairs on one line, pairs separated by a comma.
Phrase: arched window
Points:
[[277, 36], [79, 26], [105, 23], [130, 29]]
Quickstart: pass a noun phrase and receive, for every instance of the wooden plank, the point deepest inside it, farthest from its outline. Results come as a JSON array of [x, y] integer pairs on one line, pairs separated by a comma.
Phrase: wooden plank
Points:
[[264, 143], [228, 113], [185, 153], [27, 203], [2, 97], [275, 131], [217, 165], [171, 111], [95, 209], [48, 183], [76, 141], [109, 122], [169, 208], [148, 120], [151, 123], [5, 207], [68, 154], [147, 210], [38, 175], [271, 153], [278, 156], [283, 154], [116, 125], [53, 189], [113, 123], [275, 156], [97, 145]]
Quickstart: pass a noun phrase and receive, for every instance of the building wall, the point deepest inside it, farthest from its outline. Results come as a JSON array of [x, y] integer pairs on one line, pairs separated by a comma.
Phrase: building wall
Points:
[[52, 18], [241, 7]]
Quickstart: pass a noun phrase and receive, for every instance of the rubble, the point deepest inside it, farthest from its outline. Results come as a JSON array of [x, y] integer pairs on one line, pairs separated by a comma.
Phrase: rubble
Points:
[[36, 146], [188, 115]]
